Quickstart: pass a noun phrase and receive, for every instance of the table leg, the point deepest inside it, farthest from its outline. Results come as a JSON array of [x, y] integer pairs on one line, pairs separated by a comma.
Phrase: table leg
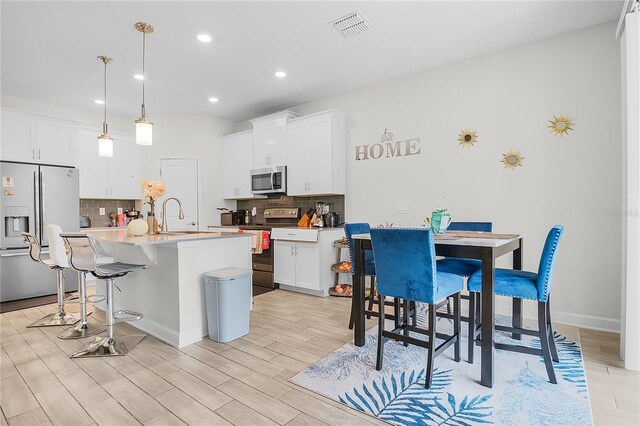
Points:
[[488, 317], [516, 315], [358, 294]]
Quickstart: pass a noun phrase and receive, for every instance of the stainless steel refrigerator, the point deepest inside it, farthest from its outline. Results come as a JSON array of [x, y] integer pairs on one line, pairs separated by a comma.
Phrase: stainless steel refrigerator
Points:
[[32, 197]]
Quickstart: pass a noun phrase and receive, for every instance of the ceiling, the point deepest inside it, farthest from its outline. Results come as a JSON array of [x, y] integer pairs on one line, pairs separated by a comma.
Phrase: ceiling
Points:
[[49, 48]]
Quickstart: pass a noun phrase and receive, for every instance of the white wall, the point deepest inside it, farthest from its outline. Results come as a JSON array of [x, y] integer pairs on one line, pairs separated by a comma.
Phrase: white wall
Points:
[[197, 137], [630, 339], [508, 98], [174, 137]]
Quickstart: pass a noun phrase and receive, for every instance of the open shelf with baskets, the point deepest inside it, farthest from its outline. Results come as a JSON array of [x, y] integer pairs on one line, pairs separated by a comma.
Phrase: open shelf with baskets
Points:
[[341, 268]]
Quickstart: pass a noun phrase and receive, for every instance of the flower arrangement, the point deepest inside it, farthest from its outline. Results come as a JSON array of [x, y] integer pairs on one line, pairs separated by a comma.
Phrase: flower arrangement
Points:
[[151, 191]]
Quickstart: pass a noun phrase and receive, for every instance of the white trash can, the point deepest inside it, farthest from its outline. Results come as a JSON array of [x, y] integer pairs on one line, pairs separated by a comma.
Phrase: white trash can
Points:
[[228, 299]]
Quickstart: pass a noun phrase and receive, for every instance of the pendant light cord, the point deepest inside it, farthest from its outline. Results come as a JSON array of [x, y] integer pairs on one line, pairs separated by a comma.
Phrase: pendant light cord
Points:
[[104, 124], [144, 76]]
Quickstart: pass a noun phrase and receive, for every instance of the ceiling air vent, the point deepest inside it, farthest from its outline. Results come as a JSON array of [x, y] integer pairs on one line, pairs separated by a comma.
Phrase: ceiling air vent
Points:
[[351, 24]]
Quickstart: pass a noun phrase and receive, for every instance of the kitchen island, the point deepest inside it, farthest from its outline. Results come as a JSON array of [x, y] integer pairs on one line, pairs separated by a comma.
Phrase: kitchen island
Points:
[[170, 291]]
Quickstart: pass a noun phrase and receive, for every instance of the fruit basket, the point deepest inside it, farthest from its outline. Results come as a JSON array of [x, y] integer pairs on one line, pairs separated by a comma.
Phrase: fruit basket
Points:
[[344, 290], [341, 243], [342, 267]]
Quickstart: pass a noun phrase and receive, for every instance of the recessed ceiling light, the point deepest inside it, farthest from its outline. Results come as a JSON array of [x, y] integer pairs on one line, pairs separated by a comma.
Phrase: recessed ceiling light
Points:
[[99, 101], [281, 74], [138, 76], [213, 100], [205, 38]]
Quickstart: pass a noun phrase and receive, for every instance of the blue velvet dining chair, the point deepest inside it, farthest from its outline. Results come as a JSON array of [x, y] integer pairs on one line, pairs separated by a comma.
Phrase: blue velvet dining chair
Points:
[[351, 229], [532, 286], [465, 268], [459, 266], [406, 269]]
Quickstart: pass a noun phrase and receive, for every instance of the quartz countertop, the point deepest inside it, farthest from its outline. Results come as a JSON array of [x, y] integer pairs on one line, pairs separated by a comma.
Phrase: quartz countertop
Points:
[[121, 236]]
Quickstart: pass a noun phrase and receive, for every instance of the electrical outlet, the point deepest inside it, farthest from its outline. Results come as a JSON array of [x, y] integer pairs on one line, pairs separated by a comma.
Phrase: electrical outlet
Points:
[[102, 213], [402, 208]]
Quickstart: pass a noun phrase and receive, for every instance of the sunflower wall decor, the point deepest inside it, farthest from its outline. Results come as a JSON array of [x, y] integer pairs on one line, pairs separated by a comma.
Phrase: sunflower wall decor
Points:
[[467, 138], [512, 159], [560, 125]]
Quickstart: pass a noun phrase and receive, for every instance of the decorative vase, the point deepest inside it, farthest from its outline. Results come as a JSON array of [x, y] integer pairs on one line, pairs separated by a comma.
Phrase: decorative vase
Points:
[[440, 221], [153, 223]]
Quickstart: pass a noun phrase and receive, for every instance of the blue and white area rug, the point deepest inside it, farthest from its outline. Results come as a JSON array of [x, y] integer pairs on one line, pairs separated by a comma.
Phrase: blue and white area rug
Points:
[[521, 395]]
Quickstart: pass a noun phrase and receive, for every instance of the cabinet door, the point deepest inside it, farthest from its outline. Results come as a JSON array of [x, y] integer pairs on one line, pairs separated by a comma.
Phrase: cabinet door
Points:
[[94, 170], [307, 265], [124, 168], [55, 142], [244, 164], [284, 263], [261, 149], [17, 137], [319, 167], [229, 158], [277, 146], [237, 162], [297, 167]]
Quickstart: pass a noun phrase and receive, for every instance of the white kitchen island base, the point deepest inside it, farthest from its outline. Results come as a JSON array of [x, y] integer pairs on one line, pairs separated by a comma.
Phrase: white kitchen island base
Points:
[[170, 291]]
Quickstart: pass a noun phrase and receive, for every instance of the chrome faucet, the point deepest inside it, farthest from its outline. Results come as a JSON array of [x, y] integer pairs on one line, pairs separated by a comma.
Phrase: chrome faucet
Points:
[[165, 227]]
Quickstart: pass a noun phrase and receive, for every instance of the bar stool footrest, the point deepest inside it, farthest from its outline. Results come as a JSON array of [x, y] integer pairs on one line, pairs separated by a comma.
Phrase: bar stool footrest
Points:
[[74, 298], [96, 298], [125, 315]]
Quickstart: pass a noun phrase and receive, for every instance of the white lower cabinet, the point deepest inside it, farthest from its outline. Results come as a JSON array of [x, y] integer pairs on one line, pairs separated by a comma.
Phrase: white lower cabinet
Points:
[[303, 259]]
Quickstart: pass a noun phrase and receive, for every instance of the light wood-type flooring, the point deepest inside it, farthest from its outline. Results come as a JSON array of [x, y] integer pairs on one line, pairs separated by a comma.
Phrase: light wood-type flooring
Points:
[[244, 382]]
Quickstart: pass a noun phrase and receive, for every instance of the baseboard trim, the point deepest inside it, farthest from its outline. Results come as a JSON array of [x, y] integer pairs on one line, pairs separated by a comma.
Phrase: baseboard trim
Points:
[[587, 321], [529, 310]]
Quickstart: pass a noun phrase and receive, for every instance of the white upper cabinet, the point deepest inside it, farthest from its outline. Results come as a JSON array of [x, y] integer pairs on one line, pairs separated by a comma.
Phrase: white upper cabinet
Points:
[[116, 177], [237, 162], [34, 138], [270, 139], [316, 162]]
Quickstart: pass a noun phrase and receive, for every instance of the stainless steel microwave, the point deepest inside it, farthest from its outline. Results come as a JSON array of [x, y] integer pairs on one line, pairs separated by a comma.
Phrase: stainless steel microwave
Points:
[[272, 180]]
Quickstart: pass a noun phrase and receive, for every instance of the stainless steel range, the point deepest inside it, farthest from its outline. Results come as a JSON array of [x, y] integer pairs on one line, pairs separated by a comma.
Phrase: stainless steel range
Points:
[[263, 262]]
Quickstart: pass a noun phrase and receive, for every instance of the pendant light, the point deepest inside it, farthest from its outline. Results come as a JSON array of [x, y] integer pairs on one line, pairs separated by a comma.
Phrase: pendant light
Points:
[[105, 141], [144, 127]]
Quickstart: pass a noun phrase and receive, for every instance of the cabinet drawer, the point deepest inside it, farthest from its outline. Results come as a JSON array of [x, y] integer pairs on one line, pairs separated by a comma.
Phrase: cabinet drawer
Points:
[[290, 234]]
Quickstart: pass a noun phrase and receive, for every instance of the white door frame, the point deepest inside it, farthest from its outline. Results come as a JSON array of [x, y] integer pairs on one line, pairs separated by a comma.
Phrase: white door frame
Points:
[[197, 183]]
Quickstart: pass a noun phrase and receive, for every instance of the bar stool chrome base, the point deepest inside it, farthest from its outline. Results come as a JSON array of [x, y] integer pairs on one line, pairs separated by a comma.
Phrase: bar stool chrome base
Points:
[[82, 330], [106, 346], [57, 319]]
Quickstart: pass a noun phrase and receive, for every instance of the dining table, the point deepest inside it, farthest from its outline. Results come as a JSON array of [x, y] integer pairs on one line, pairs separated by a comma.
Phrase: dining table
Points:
[[484, 246]]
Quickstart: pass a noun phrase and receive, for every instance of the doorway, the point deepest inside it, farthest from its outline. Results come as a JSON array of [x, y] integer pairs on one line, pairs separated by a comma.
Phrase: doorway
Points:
[[181, 177]]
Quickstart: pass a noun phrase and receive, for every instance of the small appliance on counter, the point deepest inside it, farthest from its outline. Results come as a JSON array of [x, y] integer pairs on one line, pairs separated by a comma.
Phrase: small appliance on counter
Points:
[[85, 222], [231, 218], [331, 220]]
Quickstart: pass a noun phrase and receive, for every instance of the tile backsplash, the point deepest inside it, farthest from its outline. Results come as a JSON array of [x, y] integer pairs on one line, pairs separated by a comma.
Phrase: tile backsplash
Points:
[[336, 204], [91, 208]]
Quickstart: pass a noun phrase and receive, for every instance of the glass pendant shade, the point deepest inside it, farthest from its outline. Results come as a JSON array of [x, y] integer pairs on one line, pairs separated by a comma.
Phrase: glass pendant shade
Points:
[[105, 145], [144, 132]]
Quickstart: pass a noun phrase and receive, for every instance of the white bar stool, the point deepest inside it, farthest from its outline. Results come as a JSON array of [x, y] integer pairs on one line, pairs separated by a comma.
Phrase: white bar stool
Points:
[[58, 255], [83, 257], [61, 317]]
